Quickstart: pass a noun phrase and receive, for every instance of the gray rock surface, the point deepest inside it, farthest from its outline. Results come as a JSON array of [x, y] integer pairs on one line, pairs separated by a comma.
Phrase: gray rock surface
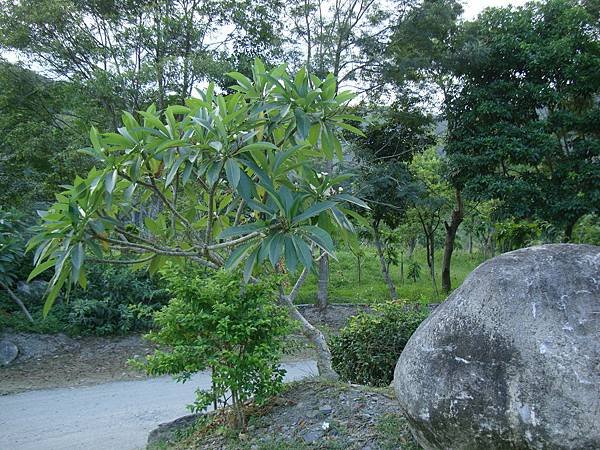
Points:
[[8, 352], [167, 432], [512, 358]]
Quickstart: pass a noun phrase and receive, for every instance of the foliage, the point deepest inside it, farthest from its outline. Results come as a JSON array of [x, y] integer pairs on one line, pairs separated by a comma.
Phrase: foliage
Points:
[[587, 230], [514, 234], [39, 130], [233, 175], [345, 287], [367, 349], [414, 271], [126, 55], [116, 301], [219, 323], [393, 136], [537, 154], [12, 245]]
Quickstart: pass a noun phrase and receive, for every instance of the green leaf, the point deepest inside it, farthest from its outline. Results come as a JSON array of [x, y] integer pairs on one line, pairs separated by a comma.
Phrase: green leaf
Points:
[[351, 128], [237, 255], [258, 146], [110, 181], [54, 291], [77, 257], [314, 210], [241, 230], [352, 199], [291, 258], [319, 237], [40, 268], [232, 170], [249, 266], [241, 79], [275, 249], [302, 123], [94, 138], [303, 250]]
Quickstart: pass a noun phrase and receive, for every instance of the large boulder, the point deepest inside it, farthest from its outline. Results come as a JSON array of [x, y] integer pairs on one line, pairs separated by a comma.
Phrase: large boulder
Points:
[[511, 360]]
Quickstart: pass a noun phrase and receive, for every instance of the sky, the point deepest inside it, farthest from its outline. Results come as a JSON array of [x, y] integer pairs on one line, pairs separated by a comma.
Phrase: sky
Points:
[[474, 7]]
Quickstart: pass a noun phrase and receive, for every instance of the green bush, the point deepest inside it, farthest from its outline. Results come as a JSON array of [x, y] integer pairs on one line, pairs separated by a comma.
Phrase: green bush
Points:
[[219, 323], [117, 301], [367, 349]]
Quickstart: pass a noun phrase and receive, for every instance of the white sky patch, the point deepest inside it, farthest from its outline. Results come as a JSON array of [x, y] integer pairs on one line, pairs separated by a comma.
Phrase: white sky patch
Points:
[[474, 7]]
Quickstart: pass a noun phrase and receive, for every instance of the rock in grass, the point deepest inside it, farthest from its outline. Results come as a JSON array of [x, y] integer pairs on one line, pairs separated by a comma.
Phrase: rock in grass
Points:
[[8, 352], [512, 358]]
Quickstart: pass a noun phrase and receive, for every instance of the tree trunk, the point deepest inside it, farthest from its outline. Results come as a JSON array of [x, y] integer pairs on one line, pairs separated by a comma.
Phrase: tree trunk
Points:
[[18, 301], [470, 243], [569, 231], [384, 270], [401, 267], [411, 247], [323, 284], [451, 229], [317, 338]]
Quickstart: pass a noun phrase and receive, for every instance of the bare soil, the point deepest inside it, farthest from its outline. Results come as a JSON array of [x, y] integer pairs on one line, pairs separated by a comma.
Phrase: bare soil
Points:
[[51, 361]]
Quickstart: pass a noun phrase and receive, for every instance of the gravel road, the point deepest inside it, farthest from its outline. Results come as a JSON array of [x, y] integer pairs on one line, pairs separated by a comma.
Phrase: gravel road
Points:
[[110, 416]]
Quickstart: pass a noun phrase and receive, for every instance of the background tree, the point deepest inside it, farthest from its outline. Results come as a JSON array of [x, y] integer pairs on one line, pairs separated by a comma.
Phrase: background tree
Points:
[[538, 153], [41, 123], [126, 55], [385, 183]]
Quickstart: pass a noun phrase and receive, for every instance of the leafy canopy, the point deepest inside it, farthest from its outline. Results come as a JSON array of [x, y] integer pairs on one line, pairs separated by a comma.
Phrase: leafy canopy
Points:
[[223, 180]]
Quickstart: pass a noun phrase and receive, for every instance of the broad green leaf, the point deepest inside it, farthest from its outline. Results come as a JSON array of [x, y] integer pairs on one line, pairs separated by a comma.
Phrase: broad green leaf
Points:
[[302, 123], [232, 170], [41, 268], [314, 210]]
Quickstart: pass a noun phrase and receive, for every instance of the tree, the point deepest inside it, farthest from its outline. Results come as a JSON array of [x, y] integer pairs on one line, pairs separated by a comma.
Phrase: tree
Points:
[[40, 128], [537, 153], [235, 179], [432, 201], [422, 57], [341, 38], [126, 55], [385, 183], [345, 38]]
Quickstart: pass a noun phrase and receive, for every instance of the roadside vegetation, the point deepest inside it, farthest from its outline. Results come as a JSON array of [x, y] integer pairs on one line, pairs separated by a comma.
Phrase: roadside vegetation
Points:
[[158, 177]]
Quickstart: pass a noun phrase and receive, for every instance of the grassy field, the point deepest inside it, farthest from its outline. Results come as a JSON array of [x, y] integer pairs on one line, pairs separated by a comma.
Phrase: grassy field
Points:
[[345, 287]]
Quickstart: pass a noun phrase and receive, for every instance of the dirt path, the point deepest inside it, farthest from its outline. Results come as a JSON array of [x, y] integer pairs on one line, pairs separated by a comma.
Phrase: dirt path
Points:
[[52, 361], [110, 416]]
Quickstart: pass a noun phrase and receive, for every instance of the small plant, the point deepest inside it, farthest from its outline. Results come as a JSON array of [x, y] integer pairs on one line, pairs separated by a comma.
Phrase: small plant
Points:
[[117, 301], [367, 349], [218, 322], [414, 271]]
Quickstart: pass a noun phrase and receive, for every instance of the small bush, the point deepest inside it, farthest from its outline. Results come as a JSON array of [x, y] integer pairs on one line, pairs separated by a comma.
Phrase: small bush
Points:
[[219, 323], [116, 301], [367, 349]]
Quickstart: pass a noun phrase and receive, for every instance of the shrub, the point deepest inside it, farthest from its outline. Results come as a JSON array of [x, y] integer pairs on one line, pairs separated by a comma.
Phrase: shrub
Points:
[[219, 323], [117, 301], [367, 349]]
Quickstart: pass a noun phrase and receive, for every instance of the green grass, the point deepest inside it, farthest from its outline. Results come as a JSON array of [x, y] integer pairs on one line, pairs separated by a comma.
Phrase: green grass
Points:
[[345, 288]]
